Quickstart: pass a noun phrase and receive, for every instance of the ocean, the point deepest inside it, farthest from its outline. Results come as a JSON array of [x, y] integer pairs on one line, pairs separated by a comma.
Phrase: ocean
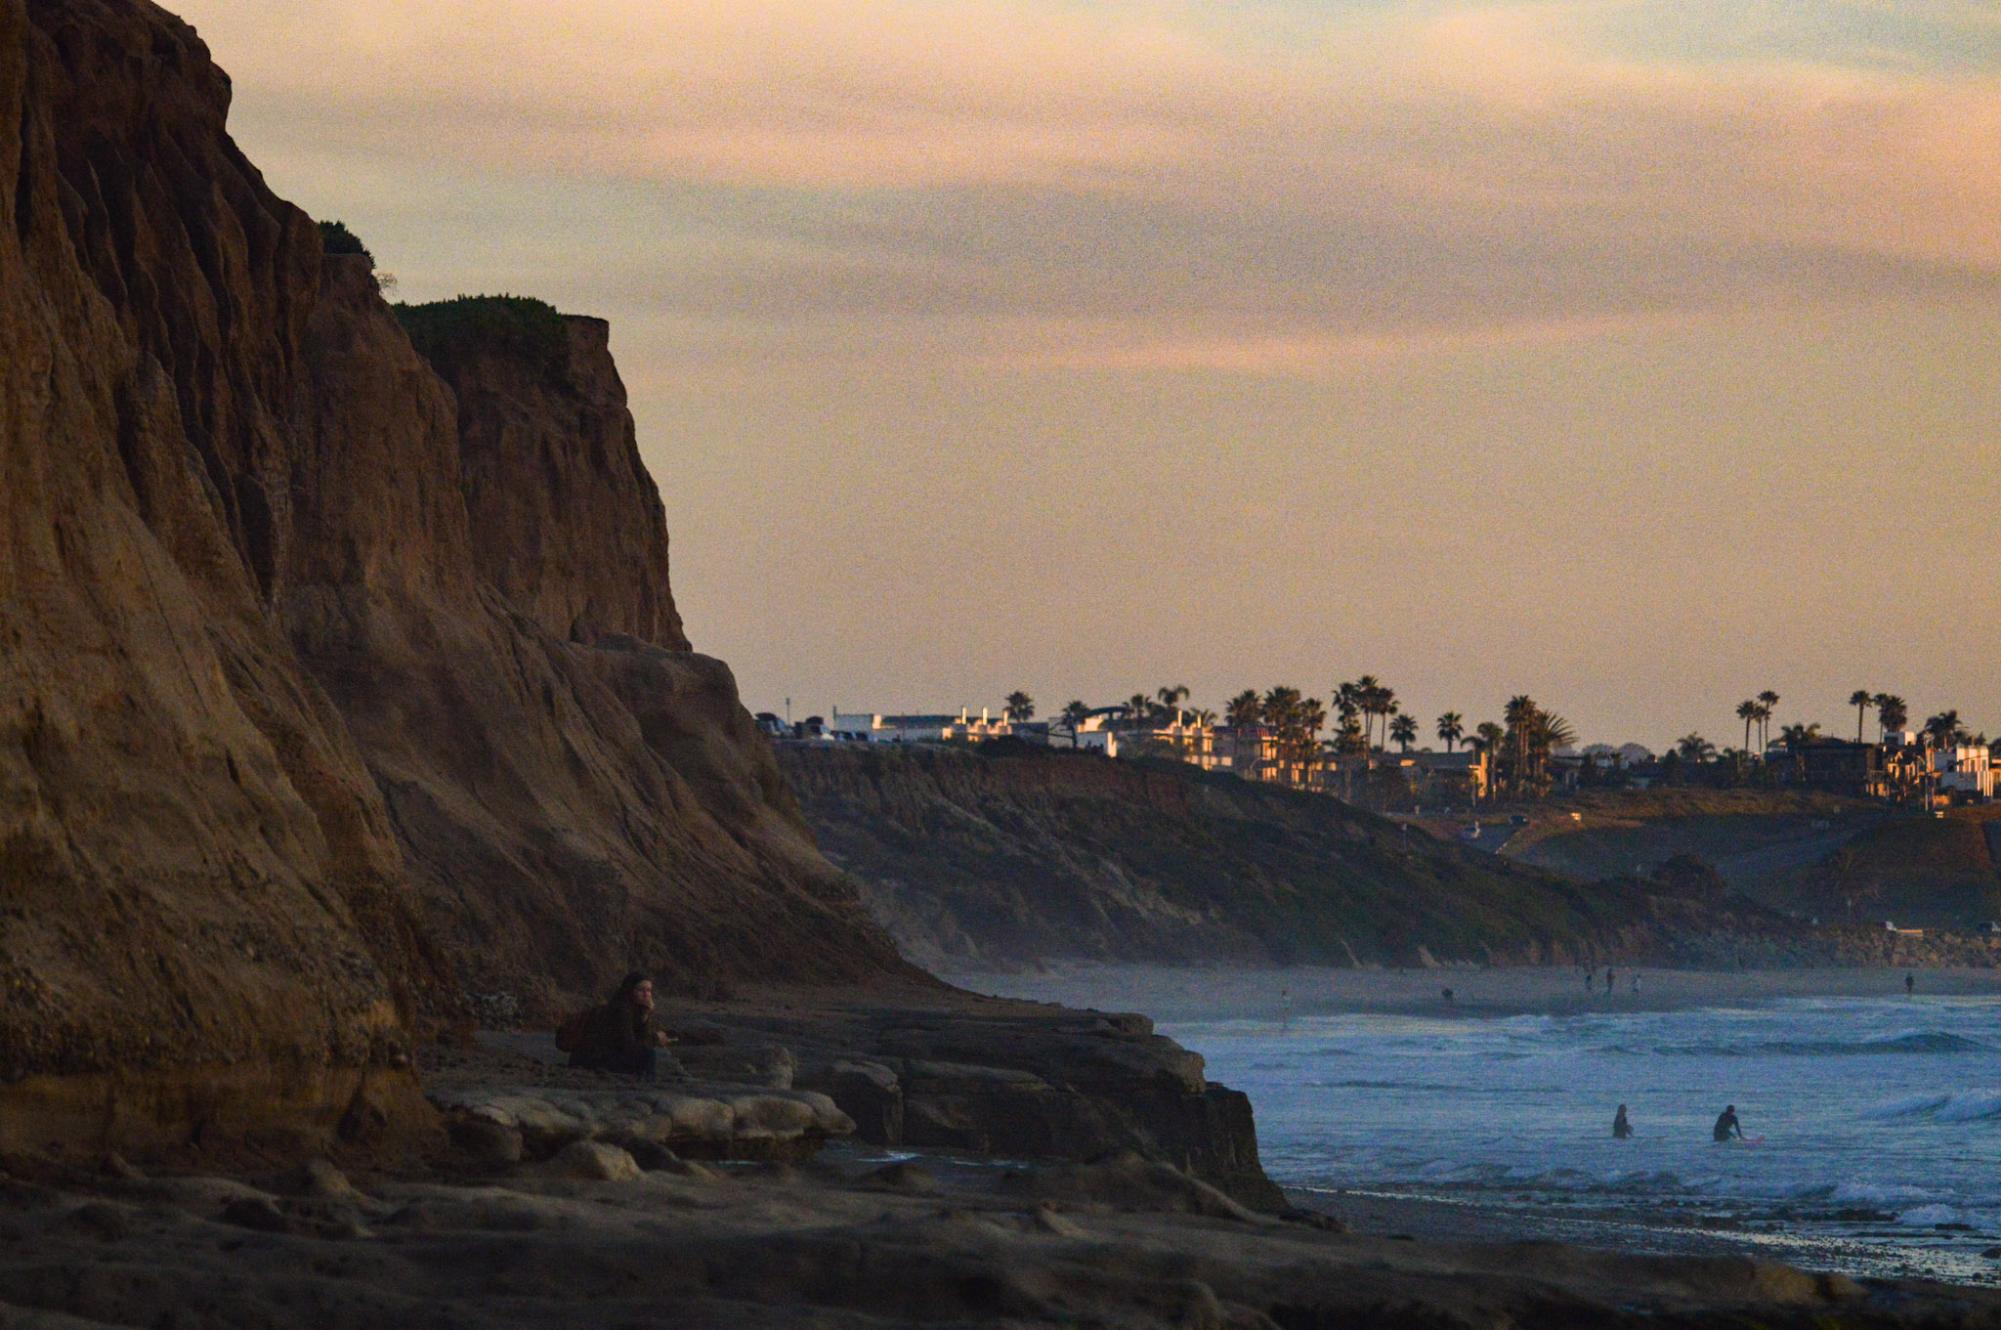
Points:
[[1876, 1122]]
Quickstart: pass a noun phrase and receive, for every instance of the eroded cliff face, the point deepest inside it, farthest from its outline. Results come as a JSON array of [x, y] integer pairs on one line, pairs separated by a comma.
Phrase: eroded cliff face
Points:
[[292, 747], [195, 867], [566, 522]]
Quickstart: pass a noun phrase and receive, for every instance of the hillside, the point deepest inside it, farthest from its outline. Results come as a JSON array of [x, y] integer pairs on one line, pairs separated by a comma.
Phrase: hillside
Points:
[[1917, 871], [334, 687], [1810, 855], [1010, 854]]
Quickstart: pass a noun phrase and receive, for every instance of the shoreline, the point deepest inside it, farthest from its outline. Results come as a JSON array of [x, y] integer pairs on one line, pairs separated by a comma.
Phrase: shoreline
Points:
[[1442, 1218], [1192, 994]]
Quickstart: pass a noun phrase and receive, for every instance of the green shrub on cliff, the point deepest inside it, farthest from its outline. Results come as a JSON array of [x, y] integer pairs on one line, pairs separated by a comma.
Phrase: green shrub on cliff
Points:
[[335, 238], [515, 325]]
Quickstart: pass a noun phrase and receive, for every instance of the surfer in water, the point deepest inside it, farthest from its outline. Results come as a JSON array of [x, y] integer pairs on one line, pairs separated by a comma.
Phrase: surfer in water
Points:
[[1727, 1125], [1621, 1128], [1910, 983]]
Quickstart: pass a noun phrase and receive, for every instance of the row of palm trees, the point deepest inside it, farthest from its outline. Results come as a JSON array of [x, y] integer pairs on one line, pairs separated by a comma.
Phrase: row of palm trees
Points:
[[1367, 718], [1942, 730]]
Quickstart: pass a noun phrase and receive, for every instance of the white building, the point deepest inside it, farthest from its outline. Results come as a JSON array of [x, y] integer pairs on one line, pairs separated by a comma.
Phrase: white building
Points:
[[1964, 770], [1094, 734], [876, 728]]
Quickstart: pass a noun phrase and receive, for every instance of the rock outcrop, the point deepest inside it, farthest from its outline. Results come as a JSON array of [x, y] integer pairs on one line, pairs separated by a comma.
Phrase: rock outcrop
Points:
[[302, 732]]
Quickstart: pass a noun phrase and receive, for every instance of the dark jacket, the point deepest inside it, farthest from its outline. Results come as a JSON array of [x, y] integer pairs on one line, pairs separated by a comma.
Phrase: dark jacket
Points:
[[617, 1035]]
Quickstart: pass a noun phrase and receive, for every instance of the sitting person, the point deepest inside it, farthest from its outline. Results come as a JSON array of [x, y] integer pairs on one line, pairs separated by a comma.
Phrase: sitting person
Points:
[[620, 1036], [1727, 1125]]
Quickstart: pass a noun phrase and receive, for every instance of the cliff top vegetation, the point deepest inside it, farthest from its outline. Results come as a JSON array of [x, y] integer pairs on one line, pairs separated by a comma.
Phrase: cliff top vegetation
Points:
[[520, 325]]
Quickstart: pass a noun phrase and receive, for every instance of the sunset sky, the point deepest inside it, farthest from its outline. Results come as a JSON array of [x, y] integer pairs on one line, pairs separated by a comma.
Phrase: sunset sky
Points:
[[1634, 355]]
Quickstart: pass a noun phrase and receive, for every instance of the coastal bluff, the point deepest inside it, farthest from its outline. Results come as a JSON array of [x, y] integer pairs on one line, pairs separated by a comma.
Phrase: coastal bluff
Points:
[[1009, 854], [340, 681]]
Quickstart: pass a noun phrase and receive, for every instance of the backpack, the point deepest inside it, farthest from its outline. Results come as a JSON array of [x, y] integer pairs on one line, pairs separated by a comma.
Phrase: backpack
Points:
[[570, 1034]]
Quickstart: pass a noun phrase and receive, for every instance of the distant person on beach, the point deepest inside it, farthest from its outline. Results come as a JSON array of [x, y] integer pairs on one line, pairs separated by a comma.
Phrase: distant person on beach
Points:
[[1621, 1128], [1728, 1125], [1590, 979], [1446, 993], [1910, 984], [1609, 984], [621, 1036], [1636, 984]]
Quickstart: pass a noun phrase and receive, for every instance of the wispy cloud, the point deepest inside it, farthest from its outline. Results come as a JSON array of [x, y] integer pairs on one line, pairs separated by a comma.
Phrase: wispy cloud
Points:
[[1273, 198]]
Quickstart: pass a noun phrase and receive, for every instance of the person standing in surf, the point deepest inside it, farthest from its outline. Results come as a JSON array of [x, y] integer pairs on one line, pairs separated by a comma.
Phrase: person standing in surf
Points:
[[1727, 1125], [1910, 984], [1621, 1129]]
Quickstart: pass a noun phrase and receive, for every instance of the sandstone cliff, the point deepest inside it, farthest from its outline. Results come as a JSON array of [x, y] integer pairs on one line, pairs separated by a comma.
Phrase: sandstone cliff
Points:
[[300, 729], [1011, 854]]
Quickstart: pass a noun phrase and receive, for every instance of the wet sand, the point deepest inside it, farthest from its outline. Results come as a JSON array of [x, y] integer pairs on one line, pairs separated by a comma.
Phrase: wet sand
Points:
[[1174, 995]]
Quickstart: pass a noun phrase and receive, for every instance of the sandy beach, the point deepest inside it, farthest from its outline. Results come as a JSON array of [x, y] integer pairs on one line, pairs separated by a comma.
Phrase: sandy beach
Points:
[[1172, 994]]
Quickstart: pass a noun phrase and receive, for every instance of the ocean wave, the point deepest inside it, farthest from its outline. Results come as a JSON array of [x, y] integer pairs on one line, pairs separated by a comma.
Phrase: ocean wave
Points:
[[1427, 1087], [1877, 1193], [1915, 1042], [1960, 1106], [1931, 1216]]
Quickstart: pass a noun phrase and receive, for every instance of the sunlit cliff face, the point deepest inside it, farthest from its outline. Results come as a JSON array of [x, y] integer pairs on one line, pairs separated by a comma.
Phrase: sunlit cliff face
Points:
[[1637, 355]]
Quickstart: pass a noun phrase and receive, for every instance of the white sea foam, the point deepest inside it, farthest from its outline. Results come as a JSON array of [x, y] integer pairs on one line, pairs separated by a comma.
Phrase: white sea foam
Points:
[[1931, 1216]]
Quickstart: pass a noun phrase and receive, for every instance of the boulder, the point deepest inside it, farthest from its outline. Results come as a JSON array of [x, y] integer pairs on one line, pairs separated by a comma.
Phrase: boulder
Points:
[[486, 1142], [593, 1161]]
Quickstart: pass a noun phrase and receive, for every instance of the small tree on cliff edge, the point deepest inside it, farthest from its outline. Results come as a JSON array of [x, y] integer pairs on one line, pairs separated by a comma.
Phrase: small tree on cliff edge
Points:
[[1020, 706]]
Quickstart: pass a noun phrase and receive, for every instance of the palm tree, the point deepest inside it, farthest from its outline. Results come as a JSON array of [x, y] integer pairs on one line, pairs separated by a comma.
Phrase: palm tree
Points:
[[1944, 729], [1368, 696], [1019, 707], [1769, 700], [1891, 713], [1487, 739], [1205, 718], [1244, 709], [1282, 715], [1308, 719], [1404, 730], [1694, 748], [1451, 729], [1171, 697], [1517, 713], [1075, 714], [1138, 708], [1747, 711], [1861, 699]]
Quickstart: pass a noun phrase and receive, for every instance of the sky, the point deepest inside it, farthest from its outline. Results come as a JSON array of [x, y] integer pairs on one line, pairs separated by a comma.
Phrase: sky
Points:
[[1638, 355]]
